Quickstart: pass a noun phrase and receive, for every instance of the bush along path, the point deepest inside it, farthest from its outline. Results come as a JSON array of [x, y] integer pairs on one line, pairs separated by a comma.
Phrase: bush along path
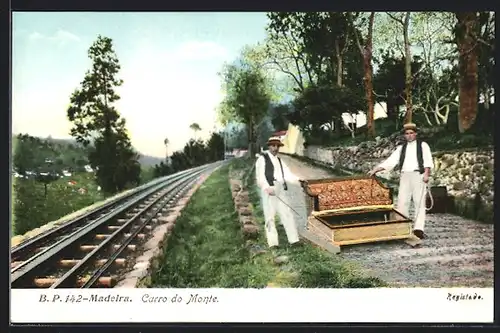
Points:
[[211, 248]]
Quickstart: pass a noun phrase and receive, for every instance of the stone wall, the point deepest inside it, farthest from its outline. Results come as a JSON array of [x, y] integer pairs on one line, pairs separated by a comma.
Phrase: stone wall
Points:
[[242, 204], [464, 173]]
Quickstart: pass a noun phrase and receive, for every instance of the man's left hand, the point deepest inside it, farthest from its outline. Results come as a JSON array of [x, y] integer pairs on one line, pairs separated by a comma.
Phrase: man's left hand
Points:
[[426, 178]]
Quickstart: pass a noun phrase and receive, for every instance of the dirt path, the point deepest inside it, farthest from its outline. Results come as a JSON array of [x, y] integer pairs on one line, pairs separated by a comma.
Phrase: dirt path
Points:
[[457, 253]]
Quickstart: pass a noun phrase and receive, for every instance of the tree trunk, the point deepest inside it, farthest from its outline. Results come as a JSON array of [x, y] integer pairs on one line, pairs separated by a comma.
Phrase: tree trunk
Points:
[[250, 133], [408, 75], [468, 69], [339, 63], [366, 53], [368, 70], [391, 109]]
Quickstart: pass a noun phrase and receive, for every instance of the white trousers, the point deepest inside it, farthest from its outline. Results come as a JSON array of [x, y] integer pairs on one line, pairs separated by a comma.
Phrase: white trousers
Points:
[[412, 187], [272, 205]]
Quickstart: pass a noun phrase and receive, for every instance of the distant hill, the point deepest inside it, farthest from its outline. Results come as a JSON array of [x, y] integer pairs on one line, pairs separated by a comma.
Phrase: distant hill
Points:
[[145, 160]]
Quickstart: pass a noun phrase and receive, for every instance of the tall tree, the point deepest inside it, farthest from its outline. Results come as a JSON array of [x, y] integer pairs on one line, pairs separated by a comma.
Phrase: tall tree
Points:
[[195, 127], [366, 49], [96, 121], [285, 49], [215, 147], [466, 31], [404, 21], [279, 116], [166, 143], [247, 96], [486, 57]]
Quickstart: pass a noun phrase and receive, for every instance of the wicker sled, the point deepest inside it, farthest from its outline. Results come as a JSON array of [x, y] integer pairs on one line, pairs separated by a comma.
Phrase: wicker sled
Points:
[[354, 210]]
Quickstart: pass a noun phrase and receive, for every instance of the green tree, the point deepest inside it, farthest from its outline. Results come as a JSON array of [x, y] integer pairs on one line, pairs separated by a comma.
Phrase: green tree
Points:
[[96, 121], [365, 46], [279, 116], [166, 142], [248, 96], [195, 127], [24, 156], [318, 51], [237, 138], [215, 147]]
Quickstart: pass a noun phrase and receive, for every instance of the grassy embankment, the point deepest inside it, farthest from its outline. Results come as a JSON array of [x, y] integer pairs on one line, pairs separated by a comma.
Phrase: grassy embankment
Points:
[[207, 249]]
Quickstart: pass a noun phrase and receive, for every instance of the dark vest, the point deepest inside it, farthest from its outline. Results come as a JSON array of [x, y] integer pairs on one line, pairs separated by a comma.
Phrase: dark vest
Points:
[[269, 171], [420, 158]]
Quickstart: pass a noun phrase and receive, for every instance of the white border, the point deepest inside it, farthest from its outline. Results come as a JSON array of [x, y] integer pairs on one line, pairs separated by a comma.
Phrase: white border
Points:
[[420, 305]]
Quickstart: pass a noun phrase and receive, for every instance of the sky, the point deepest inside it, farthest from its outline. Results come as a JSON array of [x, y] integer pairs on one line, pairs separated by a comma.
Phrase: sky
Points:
[[169, 64]]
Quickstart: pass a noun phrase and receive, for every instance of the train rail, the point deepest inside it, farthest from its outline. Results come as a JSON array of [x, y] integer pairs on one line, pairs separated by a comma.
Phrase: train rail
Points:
[[92, 250]]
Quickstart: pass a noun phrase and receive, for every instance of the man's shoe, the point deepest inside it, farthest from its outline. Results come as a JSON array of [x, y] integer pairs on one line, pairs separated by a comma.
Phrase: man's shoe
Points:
[[419, 233]]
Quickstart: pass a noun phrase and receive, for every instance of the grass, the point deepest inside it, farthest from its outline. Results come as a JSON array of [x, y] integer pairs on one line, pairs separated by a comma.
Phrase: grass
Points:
[[207, 249]]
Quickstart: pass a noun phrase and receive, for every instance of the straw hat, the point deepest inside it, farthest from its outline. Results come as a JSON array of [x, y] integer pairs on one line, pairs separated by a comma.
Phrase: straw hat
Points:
[[274, 140], [410, 126]]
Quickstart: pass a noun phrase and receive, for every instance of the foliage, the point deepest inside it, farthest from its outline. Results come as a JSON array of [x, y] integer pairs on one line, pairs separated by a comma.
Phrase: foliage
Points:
[[195, 127], [148, 174], [315, 53], [40, 184], [194, 153], [32, 153], [279, 116], [98, 123], [32, 208], [320, 107], [237, 137], [247, 95]]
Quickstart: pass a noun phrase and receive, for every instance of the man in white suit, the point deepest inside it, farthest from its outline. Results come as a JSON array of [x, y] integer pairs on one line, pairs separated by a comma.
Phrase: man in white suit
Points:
[[414, 160], [273, 177]]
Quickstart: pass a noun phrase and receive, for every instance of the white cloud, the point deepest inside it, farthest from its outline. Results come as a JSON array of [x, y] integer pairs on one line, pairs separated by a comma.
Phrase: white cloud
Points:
[[60, 36]]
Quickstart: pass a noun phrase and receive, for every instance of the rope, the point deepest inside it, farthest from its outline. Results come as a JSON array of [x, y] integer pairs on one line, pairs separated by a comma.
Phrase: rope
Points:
[[425, 188], [430, 198]]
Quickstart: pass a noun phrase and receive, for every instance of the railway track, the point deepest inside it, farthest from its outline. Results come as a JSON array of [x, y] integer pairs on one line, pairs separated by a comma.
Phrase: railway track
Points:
[[92, 250]]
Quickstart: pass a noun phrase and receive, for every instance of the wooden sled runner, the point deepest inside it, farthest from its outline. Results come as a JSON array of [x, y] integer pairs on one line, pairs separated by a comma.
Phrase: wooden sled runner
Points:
[[354, 210]]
